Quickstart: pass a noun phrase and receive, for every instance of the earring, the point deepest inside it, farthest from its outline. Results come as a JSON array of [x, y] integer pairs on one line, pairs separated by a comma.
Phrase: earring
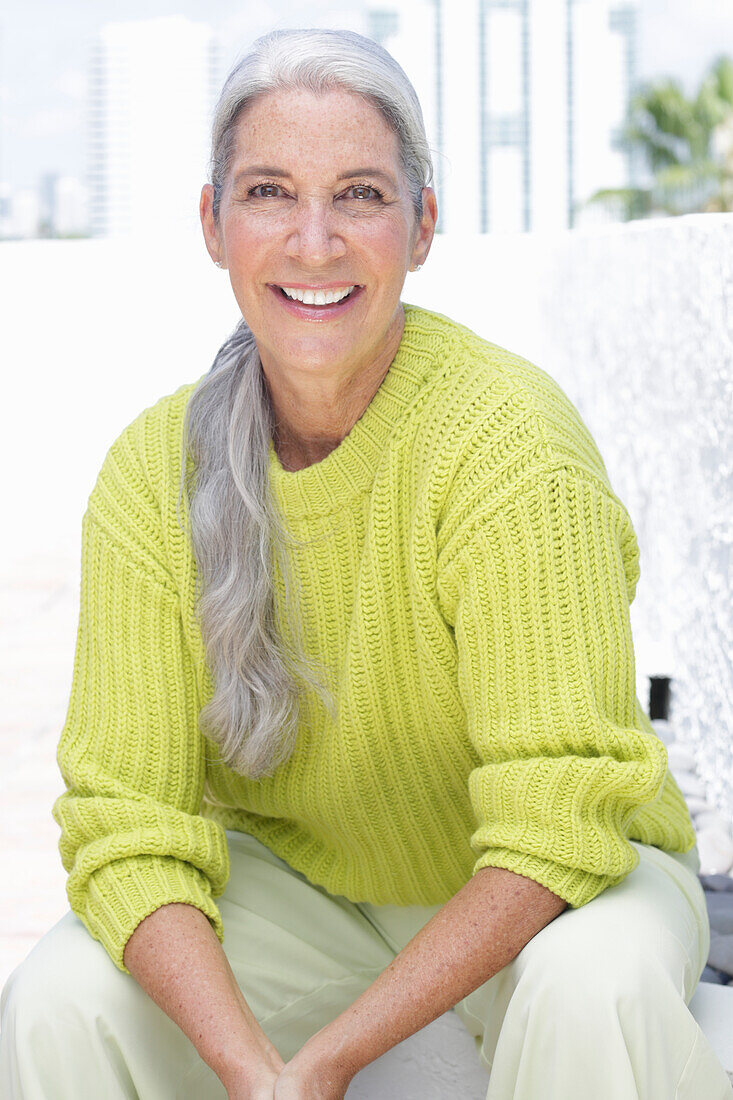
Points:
[[417, 267], [218, 263]]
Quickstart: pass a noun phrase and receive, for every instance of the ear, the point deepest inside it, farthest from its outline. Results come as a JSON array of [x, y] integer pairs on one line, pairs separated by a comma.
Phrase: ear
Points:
[[209, 226], [426, 228]]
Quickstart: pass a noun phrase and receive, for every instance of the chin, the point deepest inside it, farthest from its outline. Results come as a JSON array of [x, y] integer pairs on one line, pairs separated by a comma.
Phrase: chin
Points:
[[318, 356]]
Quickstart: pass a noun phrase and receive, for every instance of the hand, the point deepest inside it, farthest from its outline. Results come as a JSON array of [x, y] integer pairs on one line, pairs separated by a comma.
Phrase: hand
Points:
[[262, 1088], [312, 1076], [296, 1084], [247, 1083]]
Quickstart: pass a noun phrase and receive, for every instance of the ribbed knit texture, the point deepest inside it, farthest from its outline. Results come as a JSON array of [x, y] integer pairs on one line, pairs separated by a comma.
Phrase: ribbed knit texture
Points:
[[471, 595]]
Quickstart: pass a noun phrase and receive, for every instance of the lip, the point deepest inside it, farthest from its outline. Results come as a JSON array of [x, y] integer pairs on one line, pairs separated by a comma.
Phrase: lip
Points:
[[315, 286], [316, 313]]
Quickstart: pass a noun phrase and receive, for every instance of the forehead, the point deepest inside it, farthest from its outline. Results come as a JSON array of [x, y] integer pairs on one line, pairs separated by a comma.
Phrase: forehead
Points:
[[326, 129]]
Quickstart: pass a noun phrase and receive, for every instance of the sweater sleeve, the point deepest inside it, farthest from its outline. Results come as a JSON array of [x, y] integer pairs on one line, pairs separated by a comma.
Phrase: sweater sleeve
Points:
[[541, 593], [130, 752]]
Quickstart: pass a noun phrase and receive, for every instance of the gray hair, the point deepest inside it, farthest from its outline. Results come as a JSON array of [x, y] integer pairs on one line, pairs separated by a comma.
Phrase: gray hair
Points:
[[260, 678], [319, 61]]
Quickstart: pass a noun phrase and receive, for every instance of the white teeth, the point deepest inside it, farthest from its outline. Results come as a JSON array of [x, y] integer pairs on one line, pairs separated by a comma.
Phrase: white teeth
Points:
[[318, 297]]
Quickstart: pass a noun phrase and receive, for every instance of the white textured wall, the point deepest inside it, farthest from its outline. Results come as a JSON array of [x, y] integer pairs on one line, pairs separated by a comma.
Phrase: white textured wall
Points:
[[638, 328]]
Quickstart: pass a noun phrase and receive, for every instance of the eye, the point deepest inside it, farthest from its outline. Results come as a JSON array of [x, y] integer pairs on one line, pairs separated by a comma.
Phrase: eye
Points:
[[264, 190], [364, 191]]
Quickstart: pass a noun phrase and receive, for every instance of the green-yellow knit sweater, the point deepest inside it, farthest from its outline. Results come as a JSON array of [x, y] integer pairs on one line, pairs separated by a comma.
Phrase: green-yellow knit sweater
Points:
[[471, 597]]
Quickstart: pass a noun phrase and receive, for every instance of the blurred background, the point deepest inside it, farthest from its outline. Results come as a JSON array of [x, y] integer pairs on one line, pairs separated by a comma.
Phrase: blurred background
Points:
[[584, 168], [542, 116]]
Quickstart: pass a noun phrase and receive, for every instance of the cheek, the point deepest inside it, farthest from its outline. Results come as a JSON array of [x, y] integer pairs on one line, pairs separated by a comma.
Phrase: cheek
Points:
[[389, 246], [246, 242]]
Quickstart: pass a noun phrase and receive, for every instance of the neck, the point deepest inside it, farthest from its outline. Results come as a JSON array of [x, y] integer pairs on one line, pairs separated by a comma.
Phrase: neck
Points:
[[313, 416]]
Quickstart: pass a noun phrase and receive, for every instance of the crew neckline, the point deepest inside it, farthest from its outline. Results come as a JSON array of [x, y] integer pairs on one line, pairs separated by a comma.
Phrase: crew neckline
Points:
[[348, 470]]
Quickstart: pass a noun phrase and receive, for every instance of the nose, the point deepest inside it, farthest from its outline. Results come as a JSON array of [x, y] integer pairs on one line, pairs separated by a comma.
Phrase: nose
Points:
[[314, 238]]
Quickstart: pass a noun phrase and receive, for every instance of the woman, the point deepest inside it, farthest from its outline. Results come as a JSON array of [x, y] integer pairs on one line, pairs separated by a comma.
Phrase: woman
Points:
[[354, 659]]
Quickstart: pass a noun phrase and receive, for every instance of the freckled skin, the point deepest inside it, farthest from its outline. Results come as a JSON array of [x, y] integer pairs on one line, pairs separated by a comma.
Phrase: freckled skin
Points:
[[312, 227]]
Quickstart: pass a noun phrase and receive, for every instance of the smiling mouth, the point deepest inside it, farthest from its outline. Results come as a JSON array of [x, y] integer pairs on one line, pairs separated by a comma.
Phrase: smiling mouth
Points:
[[318, 304], [332, 296]]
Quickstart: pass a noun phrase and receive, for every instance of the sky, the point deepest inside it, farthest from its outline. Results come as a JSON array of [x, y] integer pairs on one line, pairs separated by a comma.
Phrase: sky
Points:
[[44, 47]]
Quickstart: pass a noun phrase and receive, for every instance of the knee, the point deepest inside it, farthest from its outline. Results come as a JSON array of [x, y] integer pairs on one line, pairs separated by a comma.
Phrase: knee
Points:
[[578, 970], [63, 979]]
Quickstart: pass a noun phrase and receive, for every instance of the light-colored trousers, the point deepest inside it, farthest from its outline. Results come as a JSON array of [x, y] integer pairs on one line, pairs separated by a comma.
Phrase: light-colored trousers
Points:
[[595, 1005]]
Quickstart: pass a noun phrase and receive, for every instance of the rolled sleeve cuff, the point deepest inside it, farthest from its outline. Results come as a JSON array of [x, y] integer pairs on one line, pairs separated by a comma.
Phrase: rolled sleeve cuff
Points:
[[122, 893], [574, 885]]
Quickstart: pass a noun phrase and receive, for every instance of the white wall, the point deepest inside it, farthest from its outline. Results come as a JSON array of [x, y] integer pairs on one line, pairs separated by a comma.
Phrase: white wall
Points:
[[637, 326]]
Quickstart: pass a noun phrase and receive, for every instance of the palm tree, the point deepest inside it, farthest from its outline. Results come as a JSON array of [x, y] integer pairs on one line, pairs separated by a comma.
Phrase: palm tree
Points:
[[687, 144]]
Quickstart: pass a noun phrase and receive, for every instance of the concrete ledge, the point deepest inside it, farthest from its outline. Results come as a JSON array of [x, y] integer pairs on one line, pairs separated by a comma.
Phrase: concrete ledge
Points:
[[439, 1062]]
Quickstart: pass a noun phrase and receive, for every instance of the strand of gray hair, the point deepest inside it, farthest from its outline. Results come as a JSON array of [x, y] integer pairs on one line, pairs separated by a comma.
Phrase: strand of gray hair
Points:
[[237, 536]]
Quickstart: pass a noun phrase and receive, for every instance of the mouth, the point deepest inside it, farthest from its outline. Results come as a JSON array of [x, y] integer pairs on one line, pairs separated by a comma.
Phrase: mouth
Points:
[[317, 303]]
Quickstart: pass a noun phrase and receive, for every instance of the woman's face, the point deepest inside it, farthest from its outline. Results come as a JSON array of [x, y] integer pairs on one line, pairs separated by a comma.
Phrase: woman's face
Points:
[[316, 201]]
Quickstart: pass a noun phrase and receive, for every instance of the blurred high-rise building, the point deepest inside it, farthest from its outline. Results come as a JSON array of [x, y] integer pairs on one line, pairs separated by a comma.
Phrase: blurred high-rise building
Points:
[[71, 207], [153, 85], [524, 102], [20, 212], [64, 206], [5, 209], [412, 31]]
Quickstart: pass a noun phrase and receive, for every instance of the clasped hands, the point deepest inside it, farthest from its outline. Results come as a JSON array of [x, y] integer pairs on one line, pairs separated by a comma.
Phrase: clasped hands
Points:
[[309, 1075]]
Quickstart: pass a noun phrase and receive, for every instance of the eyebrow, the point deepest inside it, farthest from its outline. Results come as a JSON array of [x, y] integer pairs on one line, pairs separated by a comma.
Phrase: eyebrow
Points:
[[279, 173]]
